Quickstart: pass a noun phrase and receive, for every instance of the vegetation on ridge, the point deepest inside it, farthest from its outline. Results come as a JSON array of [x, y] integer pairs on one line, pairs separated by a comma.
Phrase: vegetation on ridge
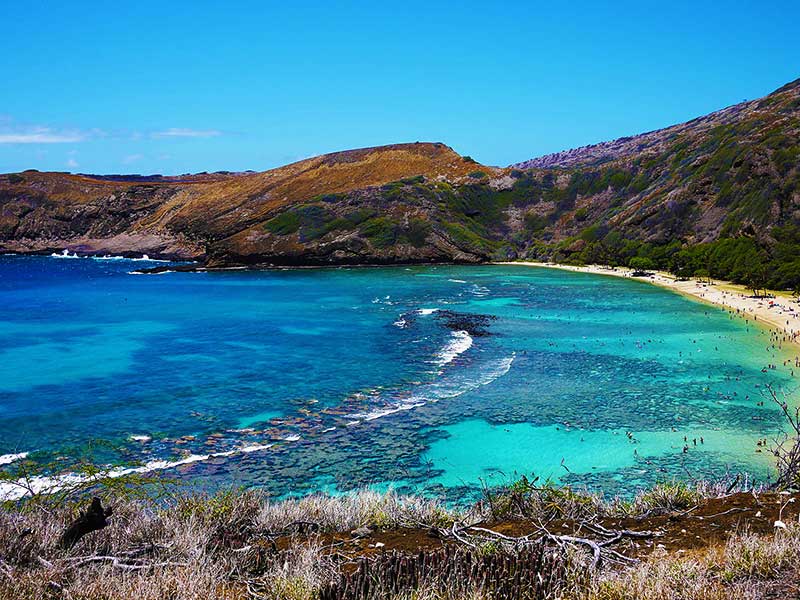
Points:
[[239, 544], [719, 195]]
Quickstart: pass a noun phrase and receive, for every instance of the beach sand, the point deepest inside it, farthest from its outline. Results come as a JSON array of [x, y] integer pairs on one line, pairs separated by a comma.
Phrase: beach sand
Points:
[[779, 312]]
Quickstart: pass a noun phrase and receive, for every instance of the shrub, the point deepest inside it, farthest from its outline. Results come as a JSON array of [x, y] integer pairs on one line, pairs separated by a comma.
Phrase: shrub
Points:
[[284, 224], [381, 231], [417, 232], [639, 263]]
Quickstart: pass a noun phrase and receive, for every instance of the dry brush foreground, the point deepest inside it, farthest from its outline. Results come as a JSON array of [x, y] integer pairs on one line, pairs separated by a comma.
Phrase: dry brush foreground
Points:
[[527, 541]]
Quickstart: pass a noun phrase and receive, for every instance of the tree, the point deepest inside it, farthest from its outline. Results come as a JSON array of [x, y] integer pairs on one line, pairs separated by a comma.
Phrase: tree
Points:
[[703, 275], [681, 265], [756, 278], [641, 264]]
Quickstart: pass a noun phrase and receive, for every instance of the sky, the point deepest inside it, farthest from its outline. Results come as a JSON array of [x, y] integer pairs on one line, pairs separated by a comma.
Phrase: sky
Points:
[[170, 87]]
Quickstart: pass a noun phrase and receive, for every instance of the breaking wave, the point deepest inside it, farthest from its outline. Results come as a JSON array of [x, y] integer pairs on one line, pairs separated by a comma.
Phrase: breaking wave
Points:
[[7, 459], [460, 342], [16, 490], [442, 389]]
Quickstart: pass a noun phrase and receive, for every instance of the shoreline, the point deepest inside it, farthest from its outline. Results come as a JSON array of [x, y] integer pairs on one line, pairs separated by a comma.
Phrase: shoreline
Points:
[[782, 318]]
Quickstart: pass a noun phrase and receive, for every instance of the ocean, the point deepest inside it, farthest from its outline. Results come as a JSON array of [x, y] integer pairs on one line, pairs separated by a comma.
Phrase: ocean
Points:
[[437, 380]]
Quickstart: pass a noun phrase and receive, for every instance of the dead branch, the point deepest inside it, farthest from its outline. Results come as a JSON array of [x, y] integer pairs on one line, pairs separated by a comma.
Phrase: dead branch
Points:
[[95, 518], [121, 563], [472, 536]]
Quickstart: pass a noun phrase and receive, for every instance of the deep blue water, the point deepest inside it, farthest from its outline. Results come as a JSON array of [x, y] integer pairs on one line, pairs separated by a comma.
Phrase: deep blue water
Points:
[[431, 379]]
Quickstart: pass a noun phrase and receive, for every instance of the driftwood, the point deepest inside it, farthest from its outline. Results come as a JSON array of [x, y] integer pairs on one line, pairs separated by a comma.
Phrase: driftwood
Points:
[[95, 518]]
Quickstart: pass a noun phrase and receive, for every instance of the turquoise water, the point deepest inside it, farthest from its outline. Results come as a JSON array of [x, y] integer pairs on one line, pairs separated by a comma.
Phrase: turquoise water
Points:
[[429, 379]]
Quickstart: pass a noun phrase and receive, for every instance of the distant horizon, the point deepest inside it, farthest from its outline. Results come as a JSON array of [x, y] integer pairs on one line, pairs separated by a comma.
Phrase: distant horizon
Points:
[[264, 84]]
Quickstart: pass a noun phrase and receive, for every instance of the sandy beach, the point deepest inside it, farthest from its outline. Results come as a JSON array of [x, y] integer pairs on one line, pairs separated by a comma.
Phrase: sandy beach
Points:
[[779, 311]]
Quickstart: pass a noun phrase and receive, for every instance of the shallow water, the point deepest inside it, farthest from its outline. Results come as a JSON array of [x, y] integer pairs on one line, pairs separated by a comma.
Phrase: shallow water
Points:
[[430, 379]]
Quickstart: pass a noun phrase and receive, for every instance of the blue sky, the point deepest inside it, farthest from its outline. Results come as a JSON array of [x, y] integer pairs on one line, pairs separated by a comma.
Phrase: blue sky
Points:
[[163, 87]]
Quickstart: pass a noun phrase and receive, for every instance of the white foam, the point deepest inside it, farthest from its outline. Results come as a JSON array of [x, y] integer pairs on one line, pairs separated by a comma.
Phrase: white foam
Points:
[[437, 391], [7, 459], [479, 290], [292, 438], [459, 343], [146, 258], [141, 438], [10, 490], [456, 281], [401, 323], [143, 258], [383, 412], [427, 311], [254, 448], [64, 254]]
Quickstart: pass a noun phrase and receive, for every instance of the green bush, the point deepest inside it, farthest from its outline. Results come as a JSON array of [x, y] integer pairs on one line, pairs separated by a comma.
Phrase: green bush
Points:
[[381, 231], [638, 263], [417, 232], [284, 224]]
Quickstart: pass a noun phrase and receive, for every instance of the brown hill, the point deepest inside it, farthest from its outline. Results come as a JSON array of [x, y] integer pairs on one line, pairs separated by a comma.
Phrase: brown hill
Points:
[[720, 193], [195, 215]]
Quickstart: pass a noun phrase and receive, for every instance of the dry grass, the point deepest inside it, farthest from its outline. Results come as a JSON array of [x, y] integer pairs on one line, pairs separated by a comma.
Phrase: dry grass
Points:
[[741, 569], [202, 546], [346, 513], [223, 546]]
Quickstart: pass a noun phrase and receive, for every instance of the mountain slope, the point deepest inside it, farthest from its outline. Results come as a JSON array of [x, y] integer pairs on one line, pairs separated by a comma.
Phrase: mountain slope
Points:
[[720, 193], [225, 217], [730, 173], [655, 141], [717, 195]]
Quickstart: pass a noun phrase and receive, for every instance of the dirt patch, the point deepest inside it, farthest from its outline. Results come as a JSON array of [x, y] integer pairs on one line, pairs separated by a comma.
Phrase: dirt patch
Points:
[[695, 529]]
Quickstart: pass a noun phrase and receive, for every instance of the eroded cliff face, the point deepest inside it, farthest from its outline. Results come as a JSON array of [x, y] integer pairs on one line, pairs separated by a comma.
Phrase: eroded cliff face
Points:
[[733, 173]]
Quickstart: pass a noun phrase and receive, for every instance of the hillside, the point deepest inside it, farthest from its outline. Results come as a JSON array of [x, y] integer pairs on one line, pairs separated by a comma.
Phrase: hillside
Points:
[[718, 194], [335, 208], [725, 187], [653, 141]]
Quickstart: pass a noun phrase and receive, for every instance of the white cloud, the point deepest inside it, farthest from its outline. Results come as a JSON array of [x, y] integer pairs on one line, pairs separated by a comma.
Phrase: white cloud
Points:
[[40, 135], [186, 133], [15, 133], [72, 163], [132, 158]]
